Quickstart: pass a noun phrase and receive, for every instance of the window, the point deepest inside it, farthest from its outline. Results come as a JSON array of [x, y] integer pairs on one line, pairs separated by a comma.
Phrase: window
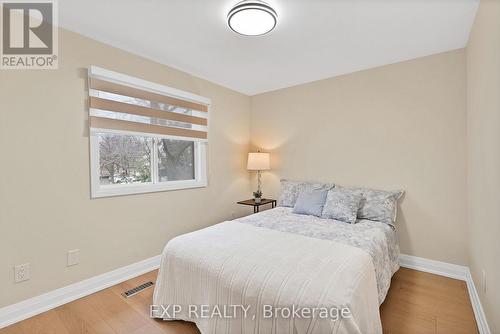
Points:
[[144, 137], [124, 159], [175, 160]]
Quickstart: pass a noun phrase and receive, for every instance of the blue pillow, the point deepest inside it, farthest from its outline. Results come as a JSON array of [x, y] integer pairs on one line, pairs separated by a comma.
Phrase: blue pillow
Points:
[[310, 202]]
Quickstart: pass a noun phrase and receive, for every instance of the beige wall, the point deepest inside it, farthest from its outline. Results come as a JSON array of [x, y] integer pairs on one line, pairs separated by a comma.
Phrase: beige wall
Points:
[[397, 126], [45, 208], [483, 139]]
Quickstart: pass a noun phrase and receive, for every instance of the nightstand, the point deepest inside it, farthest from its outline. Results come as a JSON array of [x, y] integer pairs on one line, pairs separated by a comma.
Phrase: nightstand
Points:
[[256, 206]]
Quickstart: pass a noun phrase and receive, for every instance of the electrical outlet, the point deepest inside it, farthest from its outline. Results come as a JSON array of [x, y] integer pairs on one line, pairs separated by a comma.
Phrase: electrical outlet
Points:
[[483, 281], [73, 257], [21, 272]]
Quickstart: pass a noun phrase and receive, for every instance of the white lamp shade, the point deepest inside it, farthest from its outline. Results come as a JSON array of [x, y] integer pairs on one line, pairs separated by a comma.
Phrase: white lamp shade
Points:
[[258, 161]]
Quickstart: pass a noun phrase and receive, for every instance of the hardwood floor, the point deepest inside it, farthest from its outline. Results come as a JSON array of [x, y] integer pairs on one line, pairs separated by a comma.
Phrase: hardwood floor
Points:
[[416, 303]]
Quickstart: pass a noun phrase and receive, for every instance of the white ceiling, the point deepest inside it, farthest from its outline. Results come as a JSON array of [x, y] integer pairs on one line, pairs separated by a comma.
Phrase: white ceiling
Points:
[[314, 39]]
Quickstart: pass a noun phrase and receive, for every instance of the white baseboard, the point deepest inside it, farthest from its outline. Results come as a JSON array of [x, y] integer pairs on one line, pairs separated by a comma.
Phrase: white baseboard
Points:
[[36, 305], [482, 323], [453, 271], [434, 267]]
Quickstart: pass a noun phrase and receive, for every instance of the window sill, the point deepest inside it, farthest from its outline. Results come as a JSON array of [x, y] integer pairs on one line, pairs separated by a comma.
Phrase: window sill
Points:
[[134, 189]]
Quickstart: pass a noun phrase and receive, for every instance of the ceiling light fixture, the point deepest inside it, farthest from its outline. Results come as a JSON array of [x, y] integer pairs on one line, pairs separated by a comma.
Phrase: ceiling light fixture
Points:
[[252, 18]]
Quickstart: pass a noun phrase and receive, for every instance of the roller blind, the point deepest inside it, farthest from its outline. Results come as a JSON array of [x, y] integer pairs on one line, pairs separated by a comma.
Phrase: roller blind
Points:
[[123, 103]]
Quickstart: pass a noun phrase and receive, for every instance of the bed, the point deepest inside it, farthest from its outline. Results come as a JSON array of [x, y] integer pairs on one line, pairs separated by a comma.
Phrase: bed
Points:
[[273, 263]]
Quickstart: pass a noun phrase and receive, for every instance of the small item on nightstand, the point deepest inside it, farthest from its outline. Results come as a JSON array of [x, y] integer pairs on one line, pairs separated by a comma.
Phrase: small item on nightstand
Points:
[[257, 196]]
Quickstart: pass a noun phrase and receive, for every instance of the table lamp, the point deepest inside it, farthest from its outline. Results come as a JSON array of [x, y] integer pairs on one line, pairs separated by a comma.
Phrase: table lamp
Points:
[[258, 161]]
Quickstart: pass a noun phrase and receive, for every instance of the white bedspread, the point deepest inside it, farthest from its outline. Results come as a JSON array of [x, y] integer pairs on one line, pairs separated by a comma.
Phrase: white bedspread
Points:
[[377, 239], [241, 264]]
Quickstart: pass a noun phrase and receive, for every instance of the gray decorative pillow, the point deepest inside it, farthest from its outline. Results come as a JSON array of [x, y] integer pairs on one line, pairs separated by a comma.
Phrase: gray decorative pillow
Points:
[[342, 204], [310, 202], [290, 190], [377, 205]]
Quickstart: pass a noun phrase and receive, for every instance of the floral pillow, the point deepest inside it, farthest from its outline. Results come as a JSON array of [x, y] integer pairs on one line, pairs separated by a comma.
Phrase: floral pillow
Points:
[[290, 190], [378, 205], [342, 204]]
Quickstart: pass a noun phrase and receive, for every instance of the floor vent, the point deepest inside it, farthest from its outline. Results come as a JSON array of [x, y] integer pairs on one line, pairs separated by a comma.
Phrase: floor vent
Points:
[[137, 289]]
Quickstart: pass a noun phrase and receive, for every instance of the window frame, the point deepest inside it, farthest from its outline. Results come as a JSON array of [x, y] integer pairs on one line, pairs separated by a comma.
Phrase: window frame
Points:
[[200, 146], [98, 190]]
